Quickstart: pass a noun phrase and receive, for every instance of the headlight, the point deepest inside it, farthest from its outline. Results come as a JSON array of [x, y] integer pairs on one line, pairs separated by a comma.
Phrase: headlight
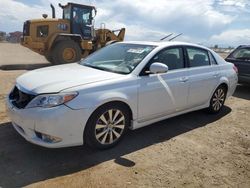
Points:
[[50, 100]]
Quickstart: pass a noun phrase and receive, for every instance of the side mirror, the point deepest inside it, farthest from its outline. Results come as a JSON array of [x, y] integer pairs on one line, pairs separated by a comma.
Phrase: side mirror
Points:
[[157, 67]]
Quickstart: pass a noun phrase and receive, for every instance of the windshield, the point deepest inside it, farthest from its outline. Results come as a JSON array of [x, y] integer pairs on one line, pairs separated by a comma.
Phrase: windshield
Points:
[[120, 58]]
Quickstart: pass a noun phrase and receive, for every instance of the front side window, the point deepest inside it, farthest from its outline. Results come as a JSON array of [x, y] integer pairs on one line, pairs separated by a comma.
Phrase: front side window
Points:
[[119, 58], [172, 57], [197, 57], [241, 53]]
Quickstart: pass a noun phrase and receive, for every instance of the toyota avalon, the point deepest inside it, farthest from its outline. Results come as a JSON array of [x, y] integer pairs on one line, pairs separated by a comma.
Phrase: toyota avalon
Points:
[[123, 86]]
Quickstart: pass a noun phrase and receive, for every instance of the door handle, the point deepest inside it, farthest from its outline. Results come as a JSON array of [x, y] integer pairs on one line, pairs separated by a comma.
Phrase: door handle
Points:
[[184, 79]]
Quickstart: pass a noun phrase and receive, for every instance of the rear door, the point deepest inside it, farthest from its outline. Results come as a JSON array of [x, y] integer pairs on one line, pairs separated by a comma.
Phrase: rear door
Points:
[[203, 75]]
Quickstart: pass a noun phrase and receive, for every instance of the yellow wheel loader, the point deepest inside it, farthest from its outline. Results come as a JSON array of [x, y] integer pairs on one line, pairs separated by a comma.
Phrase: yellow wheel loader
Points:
[[68, 39]]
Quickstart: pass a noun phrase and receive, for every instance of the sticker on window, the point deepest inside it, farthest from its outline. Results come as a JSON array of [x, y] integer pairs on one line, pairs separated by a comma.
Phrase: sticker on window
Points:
[[137, 50]]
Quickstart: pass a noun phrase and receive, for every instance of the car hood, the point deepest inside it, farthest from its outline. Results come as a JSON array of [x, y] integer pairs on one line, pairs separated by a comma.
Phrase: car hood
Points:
[[57, 78]]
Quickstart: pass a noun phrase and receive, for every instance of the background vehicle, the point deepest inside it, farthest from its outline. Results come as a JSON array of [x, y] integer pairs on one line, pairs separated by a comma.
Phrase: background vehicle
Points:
[[240, 57], [121, 86], [68, 39]]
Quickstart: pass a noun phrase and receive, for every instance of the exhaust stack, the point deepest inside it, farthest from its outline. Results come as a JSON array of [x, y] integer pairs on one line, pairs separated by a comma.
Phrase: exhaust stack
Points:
[[53, 11]]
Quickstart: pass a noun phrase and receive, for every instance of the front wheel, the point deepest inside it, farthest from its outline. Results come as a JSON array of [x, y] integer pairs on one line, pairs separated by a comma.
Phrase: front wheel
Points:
[[217, 100], [49, 57], [66, 51], [107, 126]]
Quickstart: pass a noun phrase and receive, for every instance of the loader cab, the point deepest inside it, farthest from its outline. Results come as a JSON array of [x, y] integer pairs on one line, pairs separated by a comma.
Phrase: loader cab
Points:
[[81, 19]]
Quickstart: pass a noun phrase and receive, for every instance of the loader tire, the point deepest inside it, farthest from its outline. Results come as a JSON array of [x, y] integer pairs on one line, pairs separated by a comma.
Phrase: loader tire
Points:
[[66, 52], [49, 57]]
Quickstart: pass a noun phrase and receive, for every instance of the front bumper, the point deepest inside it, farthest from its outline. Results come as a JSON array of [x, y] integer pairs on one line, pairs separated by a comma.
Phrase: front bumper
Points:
[[61, 122]]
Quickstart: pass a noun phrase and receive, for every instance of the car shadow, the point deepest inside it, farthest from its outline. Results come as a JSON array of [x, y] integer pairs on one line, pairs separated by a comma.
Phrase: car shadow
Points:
[[22, 163], [242, 91], [23, 66]]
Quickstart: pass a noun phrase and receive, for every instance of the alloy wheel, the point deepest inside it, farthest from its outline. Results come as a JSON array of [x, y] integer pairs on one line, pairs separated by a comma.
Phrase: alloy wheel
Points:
[[218, 99], [109, 126]]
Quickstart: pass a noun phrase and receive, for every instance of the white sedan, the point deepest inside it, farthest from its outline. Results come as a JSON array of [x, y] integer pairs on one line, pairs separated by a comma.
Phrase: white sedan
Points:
[[124, 85]]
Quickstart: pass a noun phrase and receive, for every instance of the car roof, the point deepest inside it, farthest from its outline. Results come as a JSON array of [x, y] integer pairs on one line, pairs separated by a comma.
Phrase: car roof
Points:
[[165, 43]]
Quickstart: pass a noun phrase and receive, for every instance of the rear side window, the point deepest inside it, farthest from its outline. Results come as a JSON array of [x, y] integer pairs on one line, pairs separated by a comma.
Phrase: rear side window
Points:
[[42, 31], [197, 57], [241, 53], [212, 59], [172, 57]]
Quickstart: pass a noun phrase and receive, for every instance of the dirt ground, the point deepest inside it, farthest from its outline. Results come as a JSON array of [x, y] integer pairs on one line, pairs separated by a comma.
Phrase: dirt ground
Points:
[[191, 150]]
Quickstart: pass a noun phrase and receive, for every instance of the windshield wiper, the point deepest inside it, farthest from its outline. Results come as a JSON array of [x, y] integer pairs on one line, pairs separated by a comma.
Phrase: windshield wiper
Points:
[[104, 69], [95, 67], [99, 68]]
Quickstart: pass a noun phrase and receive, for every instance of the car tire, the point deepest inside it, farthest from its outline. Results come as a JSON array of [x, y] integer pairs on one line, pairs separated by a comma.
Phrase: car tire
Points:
[[107, 126], [217, 100], [66, 52]]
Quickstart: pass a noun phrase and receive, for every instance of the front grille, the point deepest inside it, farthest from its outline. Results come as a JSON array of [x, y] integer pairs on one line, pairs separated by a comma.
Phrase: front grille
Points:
[[20, 99], [26, 28]]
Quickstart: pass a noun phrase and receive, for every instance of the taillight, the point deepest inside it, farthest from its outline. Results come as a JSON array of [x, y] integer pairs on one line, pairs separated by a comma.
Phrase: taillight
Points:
[[235, 69]]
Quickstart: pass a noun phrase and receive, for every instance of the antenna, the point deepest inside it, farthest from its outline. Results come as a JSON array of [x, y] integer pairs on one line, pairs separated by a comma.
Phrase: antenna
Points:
[[166, 36], [175, 37]]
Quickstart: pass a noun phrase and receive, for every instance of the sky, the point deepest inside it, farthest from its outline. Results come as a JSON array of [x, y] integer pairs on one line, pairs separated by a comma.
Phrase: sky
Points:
[[207, 22]]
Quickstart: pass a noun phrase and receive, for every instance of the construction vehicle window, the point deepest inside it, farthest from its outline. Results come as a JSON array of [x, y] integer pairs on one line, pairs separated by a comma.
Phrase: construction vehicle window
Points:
[[42, 31], [82, 15], [66, 13], [120, 58]]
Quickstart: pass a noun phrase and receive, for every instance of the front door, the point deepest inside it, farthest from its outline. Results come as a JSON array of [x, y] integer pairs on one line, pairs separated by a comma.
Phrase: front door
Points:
[[166, 93]]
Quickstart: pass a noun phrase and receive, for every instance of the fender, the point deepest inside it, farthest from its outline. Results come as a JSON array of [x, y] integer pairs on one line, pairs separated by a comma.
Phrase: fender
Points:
[[223, 80], [118, 97], [56, 37]]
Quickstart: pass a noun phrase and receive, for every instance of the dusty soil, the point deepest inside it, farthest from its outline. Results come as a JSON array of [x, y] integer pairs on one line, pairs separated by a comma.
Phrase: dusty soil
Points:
[[191, 150]]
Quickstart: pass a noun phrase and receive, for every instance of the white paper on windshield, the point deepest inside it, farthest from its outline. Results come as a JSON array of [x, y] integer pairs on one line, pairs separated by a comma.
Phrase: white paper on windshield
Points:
[[137, 50]]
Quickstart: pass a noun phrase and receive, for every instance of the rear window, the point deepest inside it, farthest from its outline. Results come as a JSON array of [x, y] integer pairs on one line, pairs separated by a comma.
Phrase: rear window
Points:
[[241, 53]]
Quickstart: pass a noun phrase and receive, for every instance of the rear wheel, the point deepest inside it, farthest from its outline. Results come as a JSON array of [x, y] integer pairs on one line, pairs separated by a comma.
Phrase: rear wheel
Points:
[[66, 52], [107, 126], [217, 100]]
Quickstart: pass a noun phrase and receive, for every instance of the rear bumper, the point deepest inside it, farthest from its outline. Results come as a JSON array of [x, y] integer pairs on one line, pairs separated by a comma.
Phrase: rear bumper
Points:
[[38, 47], [233, 81]]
